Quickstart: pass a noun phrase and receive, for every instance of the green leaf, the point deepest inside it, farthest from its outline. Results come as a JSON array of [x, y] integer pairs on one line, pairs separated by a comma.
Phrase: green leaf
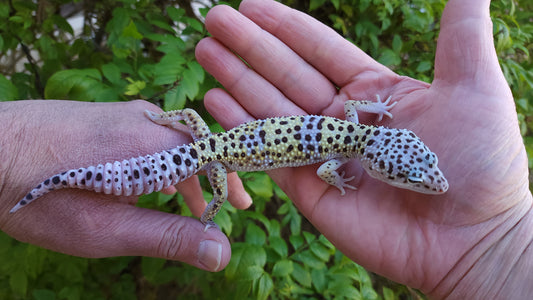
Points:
[[41, 294], [310, 260], [151, 267], [8, 91], [18, 281], [296, 241], [174, 99], [388, 294], [336, 3], [319, 280], [309, 237], [75, 84], [255, 235], [70, 293], [424, 66], [195, 24], [189, 85], [135, 87], [62, 23], [168, 69], [243, 257], [282, 268], [389, 58], [260, 184], [314, 4], [251, 273], [112, 73], [368, 292], [196, 71], [70, 270], [302, 275], [279, 245], [35, 259], [131, 31], [175, 13], [320, 251], [264, 286], [397, 43]]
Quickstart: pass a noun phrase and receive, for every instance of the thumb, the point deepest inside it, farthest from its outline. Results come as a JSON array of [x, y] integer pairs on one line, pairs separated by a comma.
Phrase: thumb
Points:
[[465, 49], [144, 232], [96, 227]]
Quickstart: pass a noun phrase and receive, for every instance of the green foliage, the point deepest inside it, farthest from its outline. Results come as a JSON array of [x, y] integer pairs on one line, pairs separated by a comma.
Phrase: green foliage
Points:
[[144, 49]]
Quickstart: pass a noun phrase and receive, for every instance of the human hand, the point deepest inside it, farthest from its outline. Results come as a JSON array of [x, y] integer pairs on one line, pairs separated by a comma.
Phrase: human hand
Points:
[[42, 138], [444, 245]]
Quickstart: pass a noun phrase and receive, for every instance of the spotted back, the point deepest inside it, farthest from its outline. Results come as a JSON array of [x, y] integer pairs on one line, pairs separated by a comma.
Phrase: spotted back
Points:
[[400, 158], [279, 142]]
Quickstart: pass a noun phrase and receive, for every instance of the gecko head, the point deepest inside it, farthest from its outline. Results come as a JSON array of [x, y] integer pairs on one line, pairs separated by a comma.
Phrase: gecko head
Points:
[[399, 158]]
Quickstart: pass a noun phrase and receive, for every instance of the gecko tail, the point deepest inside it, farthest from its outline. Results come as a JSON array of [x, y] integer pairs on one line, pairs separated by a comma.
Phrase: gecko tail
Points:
[[135, 176]]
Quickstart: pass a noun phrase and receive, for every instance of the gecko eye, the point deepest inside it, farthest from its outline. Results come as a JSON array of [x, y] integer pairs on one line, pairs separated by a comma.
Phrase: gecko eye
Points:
[[414, 179]]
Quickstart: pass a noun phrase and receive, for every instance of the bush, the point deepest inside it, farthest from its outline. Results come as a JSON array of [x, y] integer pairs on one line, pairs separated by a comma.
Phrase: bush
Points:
[[144, 49]]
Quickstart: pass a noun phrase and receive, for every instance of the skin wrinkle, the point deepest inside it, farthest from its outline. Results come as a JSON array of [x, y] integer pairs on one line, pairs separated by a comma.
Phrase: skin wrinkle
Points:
[[171, 243], [516, 265], [492, 237]]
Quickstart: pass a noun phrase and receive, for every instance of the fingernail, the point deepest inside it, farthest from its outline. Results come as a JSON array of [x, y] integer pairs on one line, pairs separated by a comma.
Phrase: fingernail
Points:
[[210, 254]]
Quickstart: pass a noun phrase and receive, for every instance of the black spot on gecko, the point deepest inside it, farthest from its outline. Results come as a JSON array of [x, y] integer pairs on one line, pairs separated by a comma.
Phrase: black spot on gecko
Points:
[[146, 171], [55, 180], [176, 159], [319, 124], [89, 175], [163, 167], [47, 182], [212, 144], [98, 177], [347, 139], [193, 153], [350, 128]]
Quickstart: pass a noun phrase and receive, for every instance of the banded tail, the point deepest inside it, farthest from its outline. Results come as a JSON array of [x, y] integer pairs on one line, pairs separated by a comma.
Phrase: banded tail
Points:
[[136, 176]]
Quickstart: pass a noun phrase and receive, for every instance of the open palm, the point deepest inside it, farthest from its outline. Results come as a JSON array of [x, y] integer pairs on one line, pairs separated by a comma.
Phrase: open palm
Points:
[[466, 116]]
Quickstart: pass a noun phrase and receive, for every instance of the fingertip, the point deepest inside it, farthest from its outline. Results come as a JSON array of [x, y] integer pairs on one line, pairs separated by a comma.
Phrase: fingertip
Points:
[[238, 197], [212, 255], [191, 191]]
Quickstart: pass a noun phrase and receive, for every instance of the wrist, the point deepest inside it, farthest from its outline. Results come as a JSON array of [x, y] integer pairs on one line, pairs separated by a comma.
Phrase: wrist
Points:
[[502, 265]]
